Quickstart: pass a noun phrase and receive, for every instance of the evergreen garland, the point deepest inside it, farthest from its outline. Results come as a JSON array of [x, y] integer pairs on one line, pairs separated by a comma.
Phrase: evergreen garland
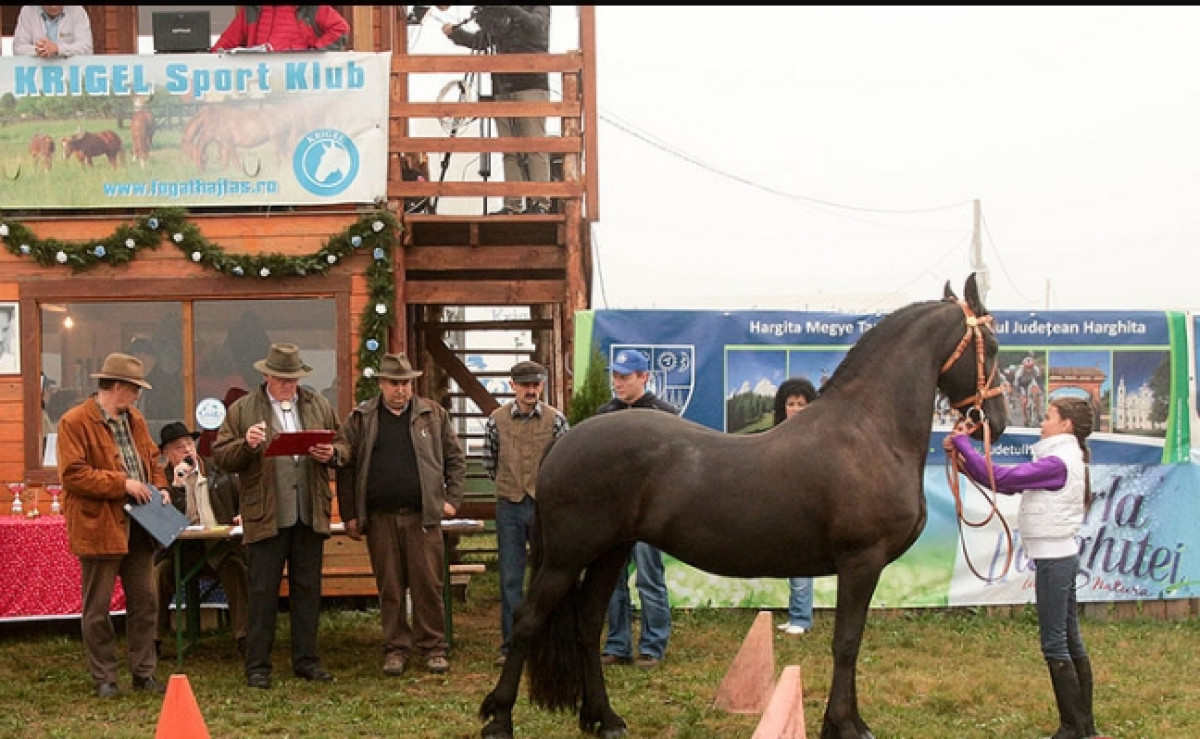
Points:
[[376, 233]]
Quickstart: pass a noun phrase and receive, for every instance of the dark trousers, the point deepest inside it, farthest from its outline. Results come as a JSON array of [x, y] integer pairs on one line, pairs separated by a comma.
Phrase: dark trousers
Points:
[[136, 569], [407, 556], [303, 551]]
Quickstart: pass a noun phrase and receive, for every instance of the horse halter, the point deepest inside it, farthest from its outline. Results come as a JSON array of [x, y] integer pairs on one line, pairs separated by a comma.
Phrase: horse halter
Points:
[[983, 381], [975, 416]]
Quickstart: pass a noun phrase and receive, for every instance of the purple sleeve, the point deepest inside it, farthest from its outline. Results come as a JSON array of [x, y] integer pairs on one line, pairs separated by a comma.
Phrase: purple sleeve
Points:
[[1049, 473]]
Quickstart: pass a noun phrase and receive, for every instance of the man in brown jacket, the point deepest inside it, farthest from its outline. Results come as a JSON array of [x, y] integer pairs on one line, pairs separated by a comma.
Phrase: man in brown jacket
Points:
[[286, 504], [105, 458], [401, 471]]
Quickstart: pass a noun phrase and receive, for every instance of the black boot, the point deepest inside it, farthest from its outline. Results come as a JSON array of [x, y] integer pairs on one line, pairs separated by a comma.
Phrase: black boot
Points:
[[1067, 696], [1083, 669]]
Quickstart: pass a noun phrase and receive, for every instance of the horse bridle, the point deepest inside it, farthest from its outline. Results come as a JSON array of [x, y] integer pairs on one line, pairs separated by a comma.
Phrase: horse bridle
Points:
[[972, 417], [983, 385]]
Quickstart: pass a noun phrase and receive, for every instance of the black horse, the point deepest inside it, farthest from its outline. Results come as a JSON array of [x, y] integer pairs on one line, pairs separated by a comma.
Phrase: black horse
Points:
[[836, 490]]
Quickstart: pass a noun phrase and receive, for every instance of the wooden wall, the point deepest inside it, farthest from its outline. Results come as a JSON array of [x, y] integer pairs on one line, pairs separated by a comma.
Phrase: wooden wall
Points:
[[158, 273]]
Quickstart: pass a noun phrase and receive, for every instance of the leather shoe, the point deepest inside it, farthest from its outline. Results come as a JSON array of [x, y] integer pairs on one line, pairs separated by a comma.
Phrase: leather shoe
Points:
[[313, 674], [107, 690], [149, 685], [394, 664], [437, 665], [612, 659], [646, 662], [260, 680]]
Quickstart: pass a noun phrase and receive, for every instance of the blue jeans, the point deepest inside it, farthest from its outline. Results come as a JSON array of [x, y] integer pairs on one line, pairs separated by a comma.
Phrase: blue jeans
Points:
[[800, 602], [656, 607], [1058, 613], [514, 522]]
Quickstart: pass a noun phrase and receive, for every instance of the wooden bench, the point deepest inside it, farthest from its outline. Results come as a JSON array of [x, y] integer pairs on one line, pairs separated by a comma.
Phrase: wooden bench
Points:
[[460, 576]]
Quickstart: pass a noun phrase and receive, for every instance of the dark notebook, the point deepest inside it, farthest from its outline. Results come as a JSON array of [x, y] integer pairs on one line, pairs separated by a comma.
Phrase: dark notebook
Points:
[[181, 32], [164, 522]]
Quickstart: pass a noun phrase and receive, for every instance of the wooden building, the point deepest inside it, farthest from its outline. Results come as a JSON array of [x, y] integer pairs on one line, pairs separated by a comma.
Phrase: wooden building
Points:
[[203, 289]]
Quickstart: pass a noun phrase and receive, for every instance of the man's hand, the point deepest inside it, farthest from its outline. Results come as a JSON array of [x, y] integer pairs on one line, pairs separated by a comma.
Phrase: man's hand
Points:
[[448, 510], [137, 490], [352, 529], [45, 47], [256, 434], [323, 453]]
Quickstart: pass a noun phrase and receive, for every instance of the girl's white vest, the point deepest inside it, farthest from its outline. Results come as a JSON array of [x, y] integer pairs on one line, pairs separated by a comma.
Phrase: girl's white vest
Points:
[[1049, 519]]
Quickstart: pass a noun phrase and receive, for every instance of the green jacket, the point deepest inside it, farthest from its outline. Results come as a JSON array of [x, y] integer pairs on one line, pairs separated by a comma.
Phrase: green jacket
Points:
[[232, 454], [440, 459]]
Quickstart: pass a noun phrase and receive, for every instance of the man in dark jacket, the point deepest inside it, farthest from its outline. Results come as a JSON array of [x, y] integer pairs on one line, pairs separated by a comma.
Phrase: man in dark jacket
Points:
[[401, 472], [106, 458], [630, 372], [286, 505], [515, 29]]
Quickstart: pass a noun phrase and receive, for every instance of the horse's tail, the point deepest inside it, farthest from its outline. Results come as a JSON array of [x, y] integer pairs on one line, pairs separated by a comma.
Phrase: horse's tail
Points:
[[556, 657]]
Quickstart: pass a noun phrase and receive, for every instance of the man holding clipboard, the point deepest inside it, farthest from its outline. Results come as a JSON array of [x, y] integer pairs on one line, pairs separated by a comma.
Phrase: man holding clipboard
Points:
[[106, 458], [285, 506]]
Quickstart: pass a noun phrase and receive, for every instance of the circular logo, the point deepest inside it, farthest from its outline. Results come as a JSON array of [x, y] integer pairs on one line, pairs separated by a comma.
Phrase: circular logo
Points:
[[326, 162], [210, 414]]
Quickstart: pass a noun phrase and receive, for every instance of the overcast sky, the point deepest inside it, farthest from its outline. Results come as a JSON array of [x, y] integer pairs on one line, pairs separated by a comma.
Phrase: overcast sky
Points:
[[811, 130]]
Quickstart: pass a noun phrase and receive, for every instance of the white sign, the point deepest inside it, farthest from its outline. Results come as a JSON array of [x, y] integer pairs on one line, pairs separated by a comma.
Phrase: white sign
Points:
[[210, 414]]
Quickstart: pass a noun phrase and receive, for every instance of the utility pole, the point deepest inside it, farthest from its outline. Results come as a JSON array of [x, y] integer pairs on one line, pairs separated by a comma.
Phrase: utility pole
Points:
[[982, 275]]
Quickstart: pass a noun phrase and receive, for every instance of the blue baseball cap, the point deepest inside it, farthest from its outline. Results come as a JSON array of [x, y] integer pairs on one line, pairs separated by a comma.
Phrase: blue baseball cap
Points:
[[629, 361]]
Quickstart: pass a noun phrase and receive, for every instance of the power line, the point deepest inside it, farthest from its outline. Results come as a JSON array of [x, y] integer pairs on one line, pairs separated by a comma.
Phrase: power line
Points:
[[1003, 267], [692, 159]]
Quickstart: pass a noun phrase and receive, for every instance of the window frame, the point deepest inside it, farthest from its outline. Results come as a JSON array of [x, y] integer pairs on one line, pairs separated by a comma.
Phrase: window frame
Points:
[[82, 289]]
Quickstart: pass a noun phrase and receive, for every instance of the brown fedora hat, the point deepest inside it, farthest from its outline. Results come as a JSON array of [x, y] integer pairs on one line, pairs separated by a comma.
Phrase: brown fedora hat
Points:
[[397, 367], [283, 360], [123, 367]]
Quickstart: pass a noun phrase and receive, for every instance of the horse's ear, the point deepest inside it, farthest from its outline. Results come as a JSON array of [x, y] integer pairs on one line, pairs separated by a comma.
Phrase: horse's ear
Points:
[[971, 291], [948, 293]]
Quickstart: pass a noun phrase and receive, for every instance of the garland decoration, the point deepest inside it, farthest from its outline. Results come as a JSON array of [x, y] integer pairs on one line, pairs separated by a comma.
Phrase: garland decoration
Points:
[[375, 233]]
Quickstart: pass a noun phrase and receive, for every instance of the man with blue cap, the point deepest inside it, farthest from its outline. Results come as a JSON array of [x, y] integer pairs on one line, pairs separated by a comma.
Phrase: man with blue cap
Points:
[[630, 371]]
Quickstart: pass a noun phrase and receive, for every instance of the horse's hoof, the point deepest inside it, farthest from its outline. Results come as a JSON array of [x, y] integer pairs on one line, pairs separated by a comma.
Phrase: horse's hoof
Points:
[[496, 731], [615, 733]]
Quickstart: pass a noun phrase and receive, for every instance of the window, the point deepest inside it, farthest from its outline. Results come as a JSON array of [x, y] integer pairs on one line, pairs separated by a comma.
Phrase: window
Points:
[[192, 350]]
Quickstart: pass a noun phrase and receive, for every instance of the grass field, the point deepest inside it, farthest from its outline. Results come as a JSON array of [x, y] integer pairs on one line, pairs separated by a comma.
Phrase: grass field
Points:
[[922, 674]]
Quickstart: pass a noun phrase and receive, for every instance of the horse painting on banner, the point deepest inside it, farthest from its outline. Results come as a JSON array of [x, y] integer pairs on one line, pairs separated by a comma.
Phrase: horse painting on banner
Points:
[[837, 490]]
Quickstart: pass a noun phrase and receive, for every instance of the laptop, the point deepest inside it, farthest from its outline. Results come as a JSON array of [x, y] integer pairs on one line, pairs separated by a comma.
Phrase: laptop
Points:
[[181, 32]]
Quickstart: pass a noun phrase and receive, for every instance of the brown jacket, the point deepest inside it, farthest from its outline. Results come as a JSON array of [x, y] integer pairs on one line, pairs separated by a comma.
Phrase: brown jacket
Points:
[[93, 478], [232, 454]]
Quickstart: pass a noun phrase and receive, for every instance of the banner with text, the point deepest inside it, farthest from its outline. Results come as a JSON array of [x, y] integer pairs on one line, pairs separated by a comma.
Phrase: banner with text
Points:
[[723, 367], [121, 131]]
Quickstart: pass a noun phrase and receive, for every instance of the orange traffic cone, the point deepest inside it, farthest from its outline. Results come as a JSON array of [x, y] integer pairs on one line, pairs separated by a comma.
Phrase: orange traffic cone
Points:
[[747, 685], [784, 717], [180, 717]]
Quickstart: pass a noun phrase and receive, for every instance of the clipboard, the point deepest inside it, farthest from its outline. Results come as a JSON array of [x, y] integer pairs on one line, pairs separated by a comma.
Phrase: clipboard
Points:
[[290, 443], [163, 522]]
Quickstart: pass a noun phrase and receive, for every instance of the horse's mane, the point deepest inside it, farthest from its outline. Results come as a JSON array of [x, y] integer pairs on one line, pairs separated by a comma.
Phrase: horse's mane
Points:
[[864, 350]]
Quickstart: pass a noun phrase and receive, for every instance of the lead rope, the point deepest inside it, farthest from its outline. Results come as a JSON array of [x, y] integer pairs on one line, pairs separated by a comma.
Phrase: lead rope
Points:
[[954, 462]]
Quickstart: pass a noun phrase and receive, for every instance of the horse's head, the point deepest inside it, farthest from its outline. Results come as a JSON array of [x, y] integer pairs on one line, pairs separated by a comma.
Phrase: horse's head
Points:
[[969, 376]]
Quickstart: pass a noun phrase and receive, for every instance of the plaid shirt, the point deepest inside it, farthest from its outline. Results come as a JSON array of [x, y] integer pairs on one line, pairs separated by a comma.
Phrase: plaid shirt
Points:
[[124, 439], [491, 436]]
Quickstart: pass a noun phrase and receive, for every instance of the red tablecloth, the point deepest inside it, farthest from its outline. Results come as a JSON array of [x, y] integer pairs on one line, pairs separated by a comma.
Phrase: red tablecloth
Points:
[[39, 577]]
